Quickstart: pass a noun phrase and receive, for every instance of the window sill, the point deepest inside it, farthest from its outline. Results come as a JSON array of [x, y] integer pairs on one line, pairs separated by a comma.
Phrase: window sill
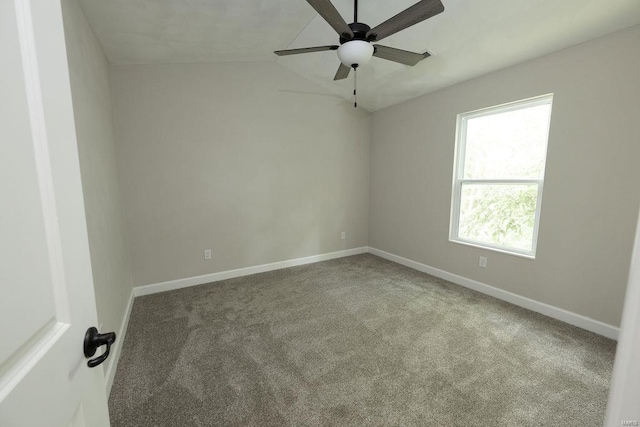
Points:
[[479, 245]]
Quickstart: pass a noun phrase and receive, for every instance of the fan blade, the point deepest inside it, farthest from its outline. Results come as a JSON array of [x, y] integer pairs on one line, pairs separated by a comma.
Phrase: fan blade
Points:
[[417, 13], [342, 73], [333, 18], [398, 55], [304, 50]]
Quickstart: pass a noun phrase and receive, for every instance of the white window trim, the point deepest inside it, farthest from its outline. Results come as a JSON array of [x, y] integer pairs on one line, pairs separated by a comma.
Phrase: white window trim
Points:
[[458, 180]]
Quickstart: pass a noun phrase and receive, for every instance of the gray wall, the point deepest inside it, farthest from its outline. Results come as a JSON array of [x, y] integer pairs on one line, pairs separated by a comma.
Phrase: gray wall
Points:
[[590, 200], [110, 260], [249, 160]]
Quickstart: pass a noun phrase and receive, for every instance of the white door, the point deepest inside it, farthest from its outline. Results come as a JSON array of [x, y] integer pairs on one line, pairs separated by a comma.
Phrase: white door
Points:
[[46, 289], [624, 397]]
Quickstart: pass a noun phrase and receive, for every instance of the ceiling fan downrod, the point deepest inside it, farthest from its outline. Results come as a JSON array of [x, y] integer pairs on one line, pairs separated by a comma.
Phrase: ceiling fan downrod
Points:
[[355, 10]]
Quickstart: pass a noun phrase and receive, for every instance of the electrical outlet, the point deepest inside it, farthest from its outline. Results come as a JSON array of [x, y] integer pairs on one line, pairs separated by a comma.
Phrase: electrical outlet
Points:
[[343, 235], [483, 262], [207, 254]]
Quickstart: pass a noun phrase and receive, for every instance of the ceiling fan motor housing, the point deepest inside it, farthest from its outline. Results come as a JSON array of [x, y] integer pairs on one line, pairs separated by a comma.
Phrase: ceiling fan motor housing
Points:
[[359, 32]]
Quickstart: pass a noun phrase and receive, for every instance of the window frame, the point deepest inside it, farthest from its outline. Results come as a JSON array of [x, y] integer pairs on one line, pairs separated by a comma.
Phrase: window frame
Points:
[[459, 180]]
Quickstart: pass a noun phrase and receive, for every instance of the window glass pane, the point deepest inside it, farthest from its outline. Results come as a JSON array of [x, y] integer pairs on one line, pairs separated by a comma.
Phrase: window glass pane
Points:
[[499, 214], [507, 145]]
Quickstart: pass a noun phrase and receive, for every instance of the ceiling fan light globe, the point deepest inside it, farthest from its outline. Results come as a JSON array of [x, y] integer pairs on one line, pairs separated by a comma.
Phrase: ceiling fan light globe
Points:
[[355, 52]]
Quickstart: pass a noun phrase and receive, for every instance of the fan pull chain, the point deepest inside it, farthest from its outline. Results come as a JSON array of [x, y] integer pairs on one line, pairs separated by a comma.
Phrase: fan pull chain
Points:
[[355, 86]]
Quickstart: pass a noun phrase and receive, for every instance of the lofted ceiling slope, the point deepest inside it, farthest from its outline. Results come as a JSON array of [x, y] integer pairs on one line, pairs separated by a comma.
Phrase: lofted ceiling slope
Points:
[[468, 39]]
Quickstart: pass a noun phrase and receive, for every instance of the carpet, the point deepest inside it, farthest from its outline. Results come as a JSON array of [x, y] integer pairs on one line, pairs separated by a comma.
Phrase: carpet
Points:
[[353, 341]]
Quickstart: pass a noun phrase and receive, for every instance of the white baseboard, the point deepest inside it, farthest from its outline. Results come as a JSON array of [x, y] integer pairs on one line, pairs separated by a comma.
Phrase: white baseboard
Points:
[[116, 349], [566, 316], [230, 274]]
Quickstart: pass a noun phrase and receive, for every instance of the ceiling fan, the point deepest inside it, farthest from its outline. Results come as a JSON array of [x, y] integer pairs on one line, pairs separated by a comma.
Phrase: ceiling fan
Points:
[[356, 39]]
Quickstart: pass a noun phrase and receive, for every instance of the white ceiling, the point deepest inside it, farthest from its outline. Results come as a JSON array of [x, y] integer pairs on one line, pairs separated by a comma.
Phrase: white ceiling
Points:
[[468, 39]]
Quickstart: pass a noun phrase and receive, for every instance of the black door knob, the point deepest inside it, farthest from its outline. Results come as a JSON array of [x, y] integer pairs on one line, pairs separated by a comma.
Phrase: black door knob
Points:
[[93, 340]]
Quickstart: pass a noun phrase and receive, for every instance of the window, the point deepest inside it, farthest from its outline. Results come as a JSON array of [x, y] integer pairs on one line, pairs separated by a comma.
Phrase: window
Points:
[[499, 175]]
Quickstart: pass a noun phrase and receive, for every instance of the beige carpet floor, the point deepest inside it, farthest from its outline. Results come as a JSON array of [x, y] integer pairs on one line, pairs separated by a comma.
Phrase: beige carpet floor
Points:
[[354, 341]]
